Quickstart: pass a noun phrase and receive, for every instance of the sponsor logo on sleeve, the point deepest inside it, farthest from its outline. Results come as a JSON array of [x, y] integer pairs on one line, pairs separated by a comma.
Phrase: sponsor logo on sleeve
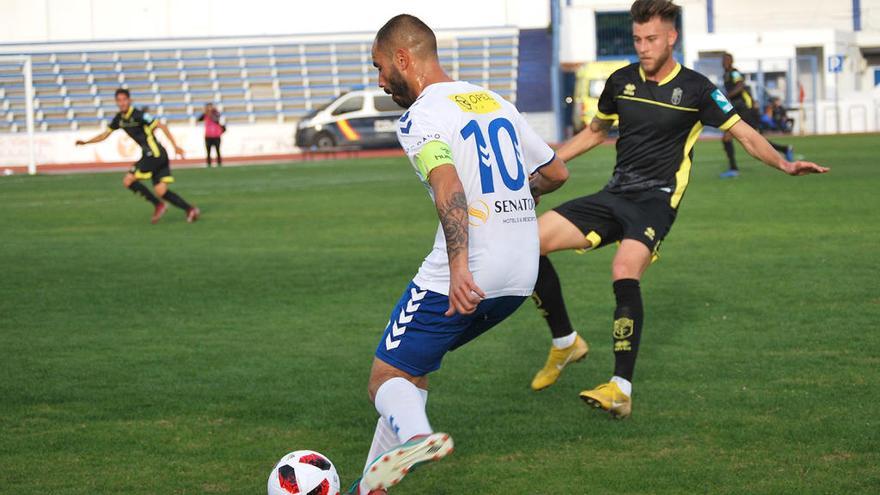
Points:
[[721, 101]]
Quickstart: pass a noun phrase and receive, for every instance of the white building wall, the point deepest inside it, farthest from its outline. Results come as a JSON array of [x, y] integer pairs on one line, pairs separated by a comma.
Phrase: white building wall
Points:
[[769, 31], [764, 23], [732, 15], [778, 46], [90, 20], [871, 15]]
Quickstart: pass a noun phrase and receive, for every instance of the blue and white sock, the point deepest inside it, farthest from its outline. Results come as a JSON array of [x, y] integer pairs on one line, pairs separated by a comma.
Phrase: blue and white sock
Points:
[[385, 438], [401, 403]]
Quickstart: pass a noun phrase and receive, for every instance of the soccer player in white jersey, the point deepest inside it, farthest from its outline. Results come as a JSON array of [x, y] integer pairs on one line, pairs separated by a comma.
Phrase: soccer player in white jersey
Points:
[[475, 153]]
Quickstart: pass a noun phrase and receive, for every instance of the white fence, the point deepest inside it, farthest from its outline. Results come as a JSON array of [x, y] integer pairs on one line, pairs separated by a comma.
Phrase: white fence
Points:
[[58, 146]]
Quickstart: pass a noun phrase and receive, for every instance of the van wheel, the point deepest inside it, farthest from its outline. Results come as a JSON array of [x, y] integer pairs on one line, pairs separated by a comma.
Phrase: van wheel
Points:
[[324, 140]]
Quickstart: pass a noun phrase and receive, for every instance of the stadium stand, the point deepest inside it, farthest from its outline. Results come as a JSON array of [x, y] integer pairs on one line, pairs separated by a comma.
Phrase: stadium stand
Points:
[[271, 82]]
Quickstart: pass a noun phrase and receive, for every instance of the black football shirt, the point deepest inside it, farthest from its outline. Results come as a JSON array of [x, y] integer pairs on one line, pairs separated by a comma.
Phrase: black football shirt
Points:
[[744, 98], [139, 125], [659, 125]]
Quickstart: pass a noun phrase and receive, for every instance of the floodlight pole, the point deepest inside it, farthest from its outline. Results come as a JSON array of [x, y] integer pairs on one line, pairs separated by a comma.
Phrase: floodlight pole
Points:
[[837, 102], [29, 111]]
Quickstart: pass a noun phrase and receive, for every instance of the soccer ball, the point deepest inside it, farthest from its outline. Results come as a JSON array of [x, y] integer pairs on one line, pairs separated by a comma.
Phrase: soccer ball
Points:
[[304, 472]]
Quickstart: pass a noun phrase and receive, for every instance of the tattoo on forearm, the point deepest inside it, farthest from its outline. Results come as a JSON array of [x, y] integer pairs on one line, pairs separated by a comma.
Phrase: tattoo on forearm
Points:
[[454, 219], [600, 125]]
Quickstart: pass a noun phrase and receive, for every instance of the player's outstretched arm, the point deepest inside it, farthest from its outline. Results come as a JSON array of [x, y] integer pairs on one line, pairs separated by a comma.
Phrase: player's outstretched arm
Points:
[[177, 149], [758, 147], [452, 208], [549, 178], [587, 139], [97, 139]]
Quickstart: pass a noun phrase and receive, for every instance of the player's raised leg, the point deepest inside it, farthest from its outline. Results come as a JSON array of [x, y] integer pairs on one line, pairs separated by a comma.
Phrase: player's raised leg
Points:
[[131, 183], [630, 262], [557, 234], [161, 187]]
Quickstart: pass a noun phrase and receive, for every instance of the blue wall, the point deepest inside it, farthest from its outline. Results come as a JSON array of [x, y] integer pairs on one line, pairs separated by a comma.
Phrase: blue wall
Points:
[[533, 92]]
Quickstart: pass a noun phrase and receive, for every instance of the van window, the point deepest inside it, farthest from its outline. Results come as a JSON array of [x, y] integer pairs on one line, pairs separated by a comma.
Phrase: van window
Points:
[[353, 104], [384, 103]]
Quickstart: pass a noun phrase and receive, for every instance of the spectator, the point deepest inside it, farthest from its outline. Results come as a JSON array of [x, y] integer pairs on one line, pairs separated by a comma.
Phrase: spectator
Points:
[[779, 116], [213, 131]]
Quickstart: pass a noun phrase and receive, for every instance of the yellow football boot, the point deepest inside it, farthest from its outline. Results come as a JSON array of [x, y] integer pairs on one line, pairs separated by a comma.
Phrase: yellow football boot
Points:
[[557, 361], [609, 397]]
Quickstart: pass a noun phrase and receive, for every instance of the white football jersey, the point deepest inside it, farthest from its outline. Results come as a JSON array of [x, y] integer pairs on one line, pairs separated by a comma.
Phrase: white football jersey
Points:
[[494, 151]]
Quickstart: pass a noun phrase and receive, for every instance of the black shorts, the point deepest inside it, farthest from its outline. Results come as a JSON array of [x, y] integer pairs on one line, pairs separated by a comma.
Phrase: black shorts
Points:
[[607, 217], [156, 168]]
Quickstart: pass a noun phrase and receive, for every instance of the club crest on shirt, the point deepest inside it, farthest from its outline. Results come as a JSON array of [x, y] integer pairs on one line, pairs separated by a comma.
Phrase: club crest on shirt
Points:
[[676, 96], [629, 89]]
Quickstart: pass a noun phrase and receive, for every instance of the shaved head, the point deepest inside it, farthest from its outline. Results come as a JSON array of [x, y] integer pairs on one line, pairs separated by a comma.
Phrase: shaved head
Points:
[[405, 53], [407, 31]]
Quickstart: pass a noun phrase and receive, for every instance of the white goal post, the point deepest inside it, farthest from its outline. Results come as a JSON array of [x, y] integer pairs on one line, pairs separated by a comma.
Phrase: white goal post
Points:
[[28, 83]]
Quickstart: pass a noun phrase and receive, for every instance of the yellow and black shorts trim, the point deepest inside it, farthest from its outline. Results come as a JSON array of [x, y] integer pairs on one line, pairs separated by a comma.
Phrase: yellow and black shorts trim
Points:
[[154, 169], [594, 239], [606, 218]]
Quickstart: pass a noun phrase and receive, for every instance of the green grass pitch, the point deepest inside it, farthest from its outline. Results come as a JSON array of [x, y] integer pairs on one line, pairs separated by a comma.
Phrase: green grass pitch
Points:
[[186, 359]]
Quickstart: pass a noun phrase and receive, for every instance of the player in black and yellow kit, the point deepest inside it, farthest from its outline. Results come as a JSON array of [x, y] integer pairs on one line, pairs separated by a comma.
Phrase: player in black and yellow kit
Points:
[[745, 106], [154, 163], [661, 108]]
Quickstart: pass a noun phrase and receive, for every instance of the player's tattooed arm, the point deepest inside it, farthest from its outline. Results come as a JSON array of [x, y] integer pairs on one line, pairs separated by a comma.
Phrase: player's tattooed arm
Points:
[[452, 209], [454, 219], [587, 139], [601, 125], [451, 204]]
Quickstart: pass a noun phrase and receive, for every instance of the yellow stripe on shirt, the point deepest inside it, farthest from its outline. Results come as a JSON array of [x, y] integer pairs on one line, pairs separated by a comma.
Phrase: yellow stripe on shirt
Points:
[[652, 102], [683, 176]]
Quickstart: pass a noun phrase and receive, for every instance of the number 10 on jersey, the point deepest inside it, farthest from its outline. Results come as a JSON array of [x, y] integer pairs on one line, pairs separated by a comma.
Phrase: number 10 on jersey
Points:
[[495, 127]]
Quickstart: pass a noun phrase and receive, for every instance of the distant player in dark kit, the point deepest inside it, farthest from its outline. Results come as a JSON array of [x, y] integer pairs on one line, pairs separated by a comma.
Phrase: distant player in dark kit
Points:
[[154, 163], [661, 107], [746, 107]]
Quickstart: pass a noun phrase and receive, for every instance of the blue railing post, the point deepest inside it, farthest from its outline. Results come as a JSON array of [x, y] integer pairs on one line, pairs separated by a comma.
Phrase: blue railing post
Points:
[[555, 80]]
